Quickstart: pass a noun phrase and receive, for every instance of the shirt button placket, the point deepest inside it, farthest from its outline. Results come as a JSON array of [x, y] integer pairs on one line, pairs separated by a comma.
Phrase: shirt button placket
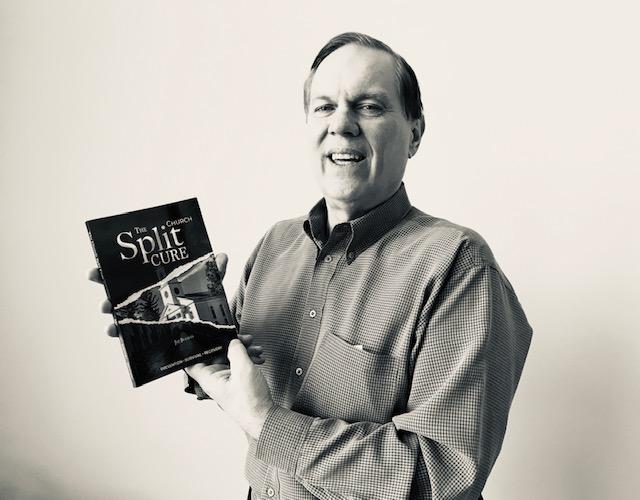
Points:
[[324, 268]]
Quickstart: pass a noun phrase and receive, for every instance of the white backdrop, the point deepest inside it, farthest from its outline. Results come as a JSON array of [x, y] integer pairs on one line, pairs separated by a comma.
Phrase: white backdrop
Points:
[[105, 106]]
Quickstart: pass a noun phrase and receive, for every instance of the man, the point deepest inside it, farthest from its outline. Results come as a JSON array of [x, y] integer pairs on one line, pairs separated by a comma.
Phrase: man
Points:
[[392, 341]]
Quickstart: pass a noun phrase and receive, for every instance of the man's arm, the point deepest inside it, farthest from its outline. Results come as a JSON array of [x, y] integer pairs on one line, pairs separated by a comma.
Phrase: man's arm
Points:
[[469, 353]]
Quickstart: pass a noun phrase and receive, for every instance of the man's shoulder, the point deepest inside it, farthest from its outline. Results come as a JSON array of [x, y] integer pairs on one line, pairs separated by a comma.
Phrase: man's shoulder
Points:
[[287, 228], [283, 233], [459, 246]]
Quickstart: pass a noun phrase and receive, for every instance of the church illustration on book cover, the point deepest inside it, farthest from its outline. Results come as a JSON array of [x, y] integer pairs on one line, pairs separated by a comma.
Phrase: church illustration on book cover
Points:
[[195, 293]]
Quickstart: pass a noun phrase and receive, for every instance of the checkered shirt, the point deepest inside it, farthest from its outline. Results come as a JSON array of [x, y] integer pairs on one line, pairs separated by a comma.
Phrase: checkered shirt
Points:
[[393, 349]]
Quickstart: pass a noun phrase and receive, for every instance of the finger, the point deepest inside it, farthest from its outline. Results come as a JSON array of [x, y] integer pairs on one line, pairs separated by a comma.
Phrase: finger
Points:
[[210, 380], [217, 368], [221, 262], [202, 370], [254, 350], [195, 369], [106, 307], [221, 375], [94, 275], [257, 360], [112, 330], [237, 355], [246, 339]]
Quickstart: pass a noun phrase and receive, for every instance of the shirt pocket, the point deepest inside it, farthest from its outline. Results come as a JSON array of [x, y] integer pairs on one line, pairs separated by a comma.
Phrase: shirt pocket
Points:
[[349, 383]]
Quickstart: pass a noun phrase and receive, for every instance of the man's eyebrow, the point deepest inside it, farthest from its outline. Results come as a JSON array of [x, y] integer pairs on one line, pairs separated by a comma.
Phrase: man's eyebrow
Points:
[[377, 96], [320, 98]]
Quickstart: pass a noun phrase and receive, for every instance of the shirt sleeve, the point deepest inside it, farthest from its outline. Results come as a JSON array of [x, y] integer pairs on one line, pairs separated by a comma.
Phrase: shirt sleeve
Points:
[[469, 352]]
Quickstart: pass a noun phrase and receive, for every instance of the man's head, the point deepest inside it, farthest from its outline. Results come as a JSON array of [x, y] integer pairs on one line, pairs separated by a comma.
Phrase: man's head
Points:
[[364, 116], [406, 79]]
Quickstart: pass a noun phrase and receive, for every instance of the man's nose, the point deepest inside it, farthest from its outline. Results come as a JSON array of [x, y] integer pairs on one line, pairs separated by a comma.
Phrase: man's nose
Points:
[[343, 122]]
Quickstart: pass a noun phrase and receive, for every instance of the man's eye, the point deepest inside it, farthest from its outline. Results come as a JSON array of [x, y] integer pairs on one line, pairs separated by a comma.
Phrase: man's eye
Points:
[[371, 109], [324, 108]]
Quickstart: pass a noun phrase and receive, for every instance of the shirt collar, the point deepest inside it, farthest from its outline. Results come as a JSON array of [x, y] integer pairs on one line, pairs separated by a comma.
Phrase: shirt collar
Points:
[[363, 231]]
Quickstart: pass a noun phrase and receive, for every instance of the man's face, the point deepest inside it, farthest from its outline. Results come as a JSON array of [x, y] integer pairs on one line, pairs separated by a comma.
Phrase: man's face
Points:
[[360, 136]]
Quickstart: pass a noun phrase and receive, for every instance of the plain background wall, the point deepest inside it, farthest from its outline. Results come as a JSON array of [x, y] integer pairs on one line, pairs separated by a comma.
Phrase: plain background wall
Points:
[[533, 137]]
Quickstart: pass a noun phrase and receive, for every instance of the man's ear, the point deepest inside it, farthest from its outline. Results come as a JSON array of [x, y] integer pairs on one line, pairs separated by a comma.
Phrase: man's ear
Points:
[[417, 129]]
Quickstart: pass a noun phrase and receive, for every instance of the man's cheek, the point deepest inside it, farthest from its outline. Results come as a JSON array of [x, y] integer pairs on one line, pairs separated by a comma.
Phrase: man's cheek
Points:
[[316, 132]]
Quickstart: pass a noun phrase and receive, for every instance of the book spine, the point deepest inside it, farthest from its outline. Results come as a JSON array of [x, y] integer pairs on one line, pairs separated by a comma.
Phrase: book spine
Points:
[[115, 320]]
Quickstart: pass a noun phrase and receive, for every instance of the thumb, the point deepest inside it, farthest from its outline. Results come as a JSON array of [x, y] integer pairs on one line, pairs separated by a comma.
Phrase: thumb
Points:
[[238, 356], [221, 263]]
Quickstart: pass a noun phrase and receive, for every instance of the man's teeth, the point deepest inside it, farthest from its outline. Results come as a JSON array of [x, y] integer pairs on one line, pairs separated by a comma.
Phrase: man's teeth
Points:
[[346, 157]]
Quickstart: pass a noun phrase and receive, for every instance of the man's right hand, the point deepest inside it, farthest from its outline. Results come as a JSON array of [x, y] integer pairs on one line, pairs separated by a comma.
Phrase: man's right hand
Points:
[[105, 306], [255, 351]]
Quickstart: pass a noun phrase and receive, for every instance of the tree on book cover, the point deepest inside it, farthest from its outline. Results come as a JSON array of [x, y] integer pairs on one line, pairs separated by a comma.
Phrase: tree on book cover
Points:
[[161, 277]]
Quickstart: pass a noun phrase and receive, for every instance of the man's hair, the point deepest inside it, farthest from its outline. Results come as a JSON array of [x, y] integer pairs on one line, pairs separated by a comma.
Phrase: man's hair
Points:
[[408, 87]]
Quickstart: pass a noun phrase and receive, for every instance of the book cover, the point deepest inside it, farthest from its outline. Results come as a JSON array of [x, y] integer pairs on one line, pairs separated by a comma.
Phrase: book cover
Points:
[[161, 277]]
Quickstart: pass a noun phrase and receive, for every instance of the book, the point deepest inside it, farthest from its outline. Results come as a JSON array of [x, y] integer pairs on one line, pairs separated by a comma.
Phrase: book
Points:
[[161, 277]]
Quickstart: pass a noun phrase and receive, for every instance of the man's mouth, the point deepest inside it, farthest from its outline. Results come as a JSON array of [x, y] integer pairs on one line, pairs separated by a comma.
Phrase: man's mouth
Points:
[[346, 158]]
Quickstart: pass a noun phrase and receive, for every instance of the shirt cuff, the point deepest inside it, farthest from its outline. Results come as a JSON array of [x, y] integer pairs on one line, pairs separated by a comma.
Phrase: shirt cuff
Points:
[[281, 439]]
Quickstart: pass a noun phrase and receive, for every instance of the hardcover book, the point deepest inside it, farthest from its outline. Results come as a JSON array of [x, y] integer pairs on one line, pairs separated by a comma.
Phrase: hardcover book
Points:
[[161, 277]]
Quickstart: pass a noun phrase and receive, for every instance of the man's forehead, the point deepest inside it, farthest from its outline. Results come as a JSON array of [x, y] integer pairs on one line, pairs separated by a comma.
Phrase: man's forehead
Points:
[[356, 70]]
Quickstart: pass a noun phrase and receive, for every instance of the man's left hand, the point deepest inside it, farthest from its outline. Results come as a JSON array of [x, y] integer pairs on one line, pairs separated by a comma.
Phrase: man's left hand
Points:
[[239, 389]]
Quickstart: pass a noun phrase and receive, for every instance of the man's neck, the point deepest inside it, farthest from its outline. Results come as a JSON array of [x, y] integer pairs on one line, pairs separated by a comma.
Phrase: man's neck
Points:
[[337, 216], [339, 211]]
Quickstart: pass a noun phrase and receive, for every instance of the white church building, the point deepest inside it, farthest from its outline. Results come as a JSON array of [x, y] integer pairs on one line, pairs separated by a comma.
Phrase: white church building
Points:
[[187, 296]]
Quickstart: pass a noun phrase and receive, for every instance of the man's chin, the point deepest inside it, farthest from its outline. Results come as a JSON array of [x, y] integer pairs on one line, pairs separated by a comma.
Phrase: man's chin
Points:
[[347, 194]]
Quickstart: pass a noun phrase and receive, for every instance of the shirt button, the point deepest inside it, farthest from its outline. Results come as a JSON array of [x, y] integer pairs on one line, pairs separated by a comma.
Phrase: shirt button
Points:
[[351, 255], [312, 313], [328, 258], [270, 492], [298, 371]]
